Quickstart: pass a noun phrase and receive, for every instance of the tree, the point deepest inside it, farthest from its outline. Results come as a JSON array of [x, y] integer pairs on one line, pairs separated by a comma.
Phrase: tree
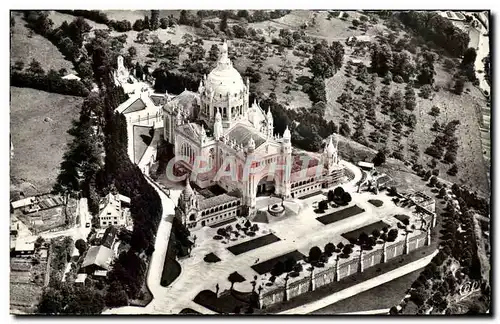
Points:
[[81, 245], [139, 25], [278, 269], [338, 192], [453, 170], [329, 249], [379, 158], [132, 51], [147, 24], [459, 86], [290, 264], [347, 250], [116, 296], [35, 68], [155, 23], [223, 21], [393, 191], [375, 233], [346, 198], [314, 254], [330, 195], [435, 111], [323, 205], [392, 235], [469, 57], [432, 181], [426, 91], [214, 53]]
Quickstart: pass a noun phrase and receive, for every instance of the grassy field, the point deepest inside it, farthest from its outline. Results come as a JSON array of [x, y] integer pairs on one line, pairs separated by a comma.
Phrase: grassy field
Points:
[[24, 48], [340, 215], [39, 144], [58, 18], [253, 244], [380, 297]]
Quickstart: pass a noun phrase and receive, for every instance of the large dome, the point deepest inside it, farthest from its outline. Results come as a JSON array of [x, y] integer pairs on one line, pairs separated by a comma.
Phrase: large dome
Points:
[[224, 78]]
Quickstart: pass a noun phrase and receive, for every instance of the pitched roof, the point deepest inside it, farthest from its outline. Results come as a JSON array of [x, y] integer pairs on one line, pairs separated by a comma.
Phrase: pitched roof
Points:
[[217, 200], [100, 256], [109, 236], [137, 105], [157, 99], [242, 134], [193, 130]]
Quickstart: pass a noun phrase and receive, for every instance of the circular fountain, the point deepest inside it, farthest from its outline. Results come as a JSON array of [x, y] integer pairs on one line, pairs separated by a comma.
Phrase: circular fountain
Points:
[[276, 210]]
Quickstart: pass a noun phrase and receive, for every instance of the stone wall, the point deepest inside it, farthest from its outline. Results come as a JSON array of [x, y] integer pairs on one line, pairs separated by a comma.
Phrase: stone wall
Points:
[[330, 274]]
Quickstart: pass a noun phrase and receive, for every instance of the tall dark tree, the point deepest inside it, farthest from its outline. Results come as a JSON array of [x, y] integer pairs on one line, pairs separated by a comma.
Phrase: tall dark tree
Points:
[[155, 20]]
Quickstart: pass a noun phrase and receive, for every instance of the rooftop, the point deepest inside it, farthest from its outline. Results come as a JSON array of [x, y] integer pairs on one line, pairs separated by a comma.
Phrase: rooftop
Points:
[[100, 256], [22, 245], [137, 105], [241, 134], [217, 200]]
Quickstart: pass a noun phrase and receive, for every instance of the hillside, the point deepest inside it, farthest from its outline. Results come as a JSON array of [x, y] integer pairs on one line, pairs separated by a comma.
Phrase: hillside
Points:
[[26, 46], [38, 124]]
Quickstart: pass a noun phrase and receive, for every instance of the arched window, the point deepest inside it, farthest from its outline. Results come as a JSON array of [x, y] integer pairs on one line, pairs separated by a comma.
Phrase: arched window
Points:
[[211, 158]]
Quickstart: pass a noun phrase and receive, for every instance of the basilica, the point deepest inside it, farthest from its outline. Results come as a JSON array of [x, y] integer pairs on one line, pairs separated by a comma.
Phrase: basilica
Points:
[[222, 139]]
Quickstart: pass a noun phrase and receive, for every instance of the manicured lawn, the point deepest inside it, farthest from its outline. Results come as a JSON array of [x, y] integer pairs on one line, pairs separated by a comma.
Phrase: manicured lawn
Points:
[[267, 266], [38, 144], [340, 215], [211, 258], [253, 244], [171, 268], [311, 195], [142, 139], [376, 202], [366, 229], [225, 304], [188, 311], [380, 297]]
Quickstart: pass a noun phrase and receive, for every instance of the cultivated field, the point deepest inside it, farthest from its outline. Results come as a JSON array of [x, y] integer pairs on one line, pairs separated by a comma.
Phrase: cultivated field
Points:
[[39, 122], [26, 46]]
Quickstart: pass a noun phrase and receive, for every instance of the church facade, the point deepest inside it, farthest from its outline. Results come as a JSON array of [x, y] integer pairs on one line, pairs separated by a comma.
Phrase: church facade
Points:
[[221, 139]]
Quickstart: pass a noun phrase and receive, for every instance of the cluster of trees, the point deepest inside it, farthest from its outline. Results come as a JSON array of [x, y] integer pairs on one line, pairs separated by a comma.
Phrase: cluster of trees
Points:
[[471, 200], [153, 22], [326, 60], [68, 38], [174, 82], [248, 229], [467, 71], [290, 266], [66, 298], [287, 38], [81, 161], [339, 196], [50, 82], [458, 243], [189, 18], [324, 63], [447, 140], [393, 65], [436, 29]]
